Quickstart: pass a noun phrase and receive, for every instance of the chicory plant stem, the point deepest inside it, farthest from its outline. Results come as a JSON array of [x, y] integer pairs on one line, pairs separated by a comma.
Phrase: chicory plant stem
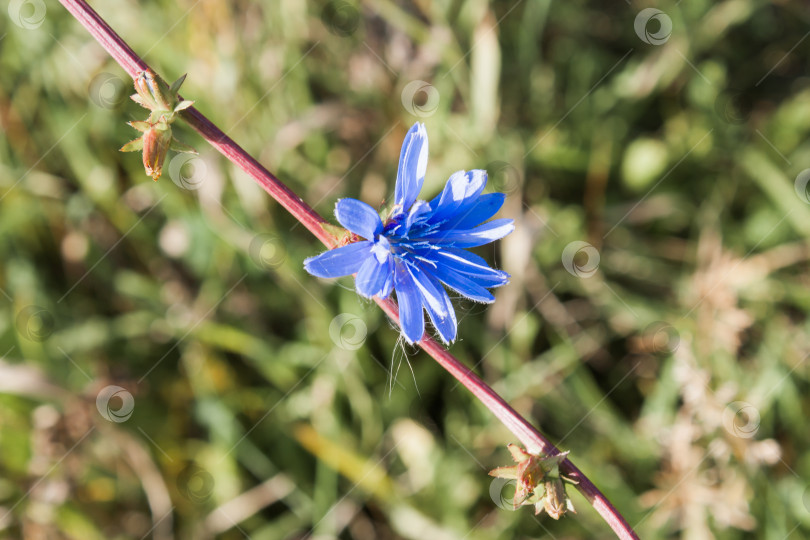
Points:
[[532, 439], [133, 64]]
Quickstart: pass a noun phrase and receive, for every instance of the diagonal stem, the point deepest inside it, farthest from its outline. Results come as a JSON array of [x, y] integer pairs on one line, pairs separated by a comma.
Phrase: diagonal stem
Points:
[[527, 434], [133, 64]]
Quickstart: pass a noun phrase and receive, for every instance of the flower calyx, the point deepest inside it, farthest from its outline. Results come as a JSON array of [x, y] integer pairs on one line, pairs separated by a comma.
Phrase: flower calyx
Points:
[[539, 482], [341, 235], [162, 100]]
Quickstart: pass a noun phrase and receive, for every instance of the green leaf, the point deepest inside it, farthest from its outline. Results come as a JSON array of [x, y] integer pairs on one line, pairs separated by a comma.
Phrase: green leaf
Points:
[[338, 232], [177, 146], [135, 145], [175, 87], [140, 126]]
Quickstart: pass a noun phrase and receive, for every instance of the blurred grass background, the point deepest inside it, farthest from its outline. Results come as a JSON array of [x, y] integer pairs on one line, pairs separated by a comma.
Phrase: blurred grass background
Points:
[[169, 370]]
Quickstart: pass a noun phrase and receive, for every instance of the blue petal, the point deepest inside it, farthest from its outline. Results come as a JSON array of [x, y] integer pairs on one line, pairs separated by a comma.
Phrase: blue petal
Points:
[[460, 193], [446, 202], [411, 316], [430, 294], [483, 234], [412, 166], [342, 261], [359, 218], [476, 181], [484, 208], [463, 285], [371, 277], [388, 286], [443, 318], [419, 209], [381, 249], [471, 265]]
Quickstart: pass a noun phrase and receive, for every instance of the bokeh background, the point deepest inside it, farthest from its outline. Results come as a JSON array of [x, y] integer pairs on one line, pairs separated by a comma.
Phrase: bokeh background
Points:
[[169, 370]]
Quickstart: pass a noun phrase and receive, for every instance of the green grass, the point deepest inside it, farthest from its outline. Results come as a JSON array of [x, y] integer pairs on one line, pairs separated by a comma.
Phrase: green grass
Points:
[[260, 388]]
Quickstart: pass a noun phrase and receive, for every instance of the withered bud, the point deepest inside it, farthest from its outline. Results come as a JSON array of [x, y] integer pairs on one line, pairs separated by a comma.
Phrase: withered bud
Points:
[[164, 103], [156, 143]]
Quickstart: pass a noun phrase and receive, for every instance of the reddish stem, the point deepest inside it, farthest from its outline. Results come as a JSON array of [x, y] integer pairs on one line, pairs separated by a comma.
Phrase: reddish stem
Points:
[[133, 64], [532, 439]]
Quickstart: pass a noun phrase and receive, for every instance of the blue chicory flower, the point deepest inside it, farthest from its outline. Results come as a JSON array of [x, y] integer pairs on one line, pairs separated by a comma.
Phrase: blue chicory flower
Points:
[[420, 245]]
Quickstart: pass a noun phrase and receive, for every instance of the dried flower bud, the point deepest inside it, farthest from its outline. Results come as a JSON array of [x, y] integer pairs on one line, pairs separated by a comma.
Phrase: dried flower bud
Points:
[[555, 501], [162, 100], [156, 142], [154, 94], [532, 471]]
